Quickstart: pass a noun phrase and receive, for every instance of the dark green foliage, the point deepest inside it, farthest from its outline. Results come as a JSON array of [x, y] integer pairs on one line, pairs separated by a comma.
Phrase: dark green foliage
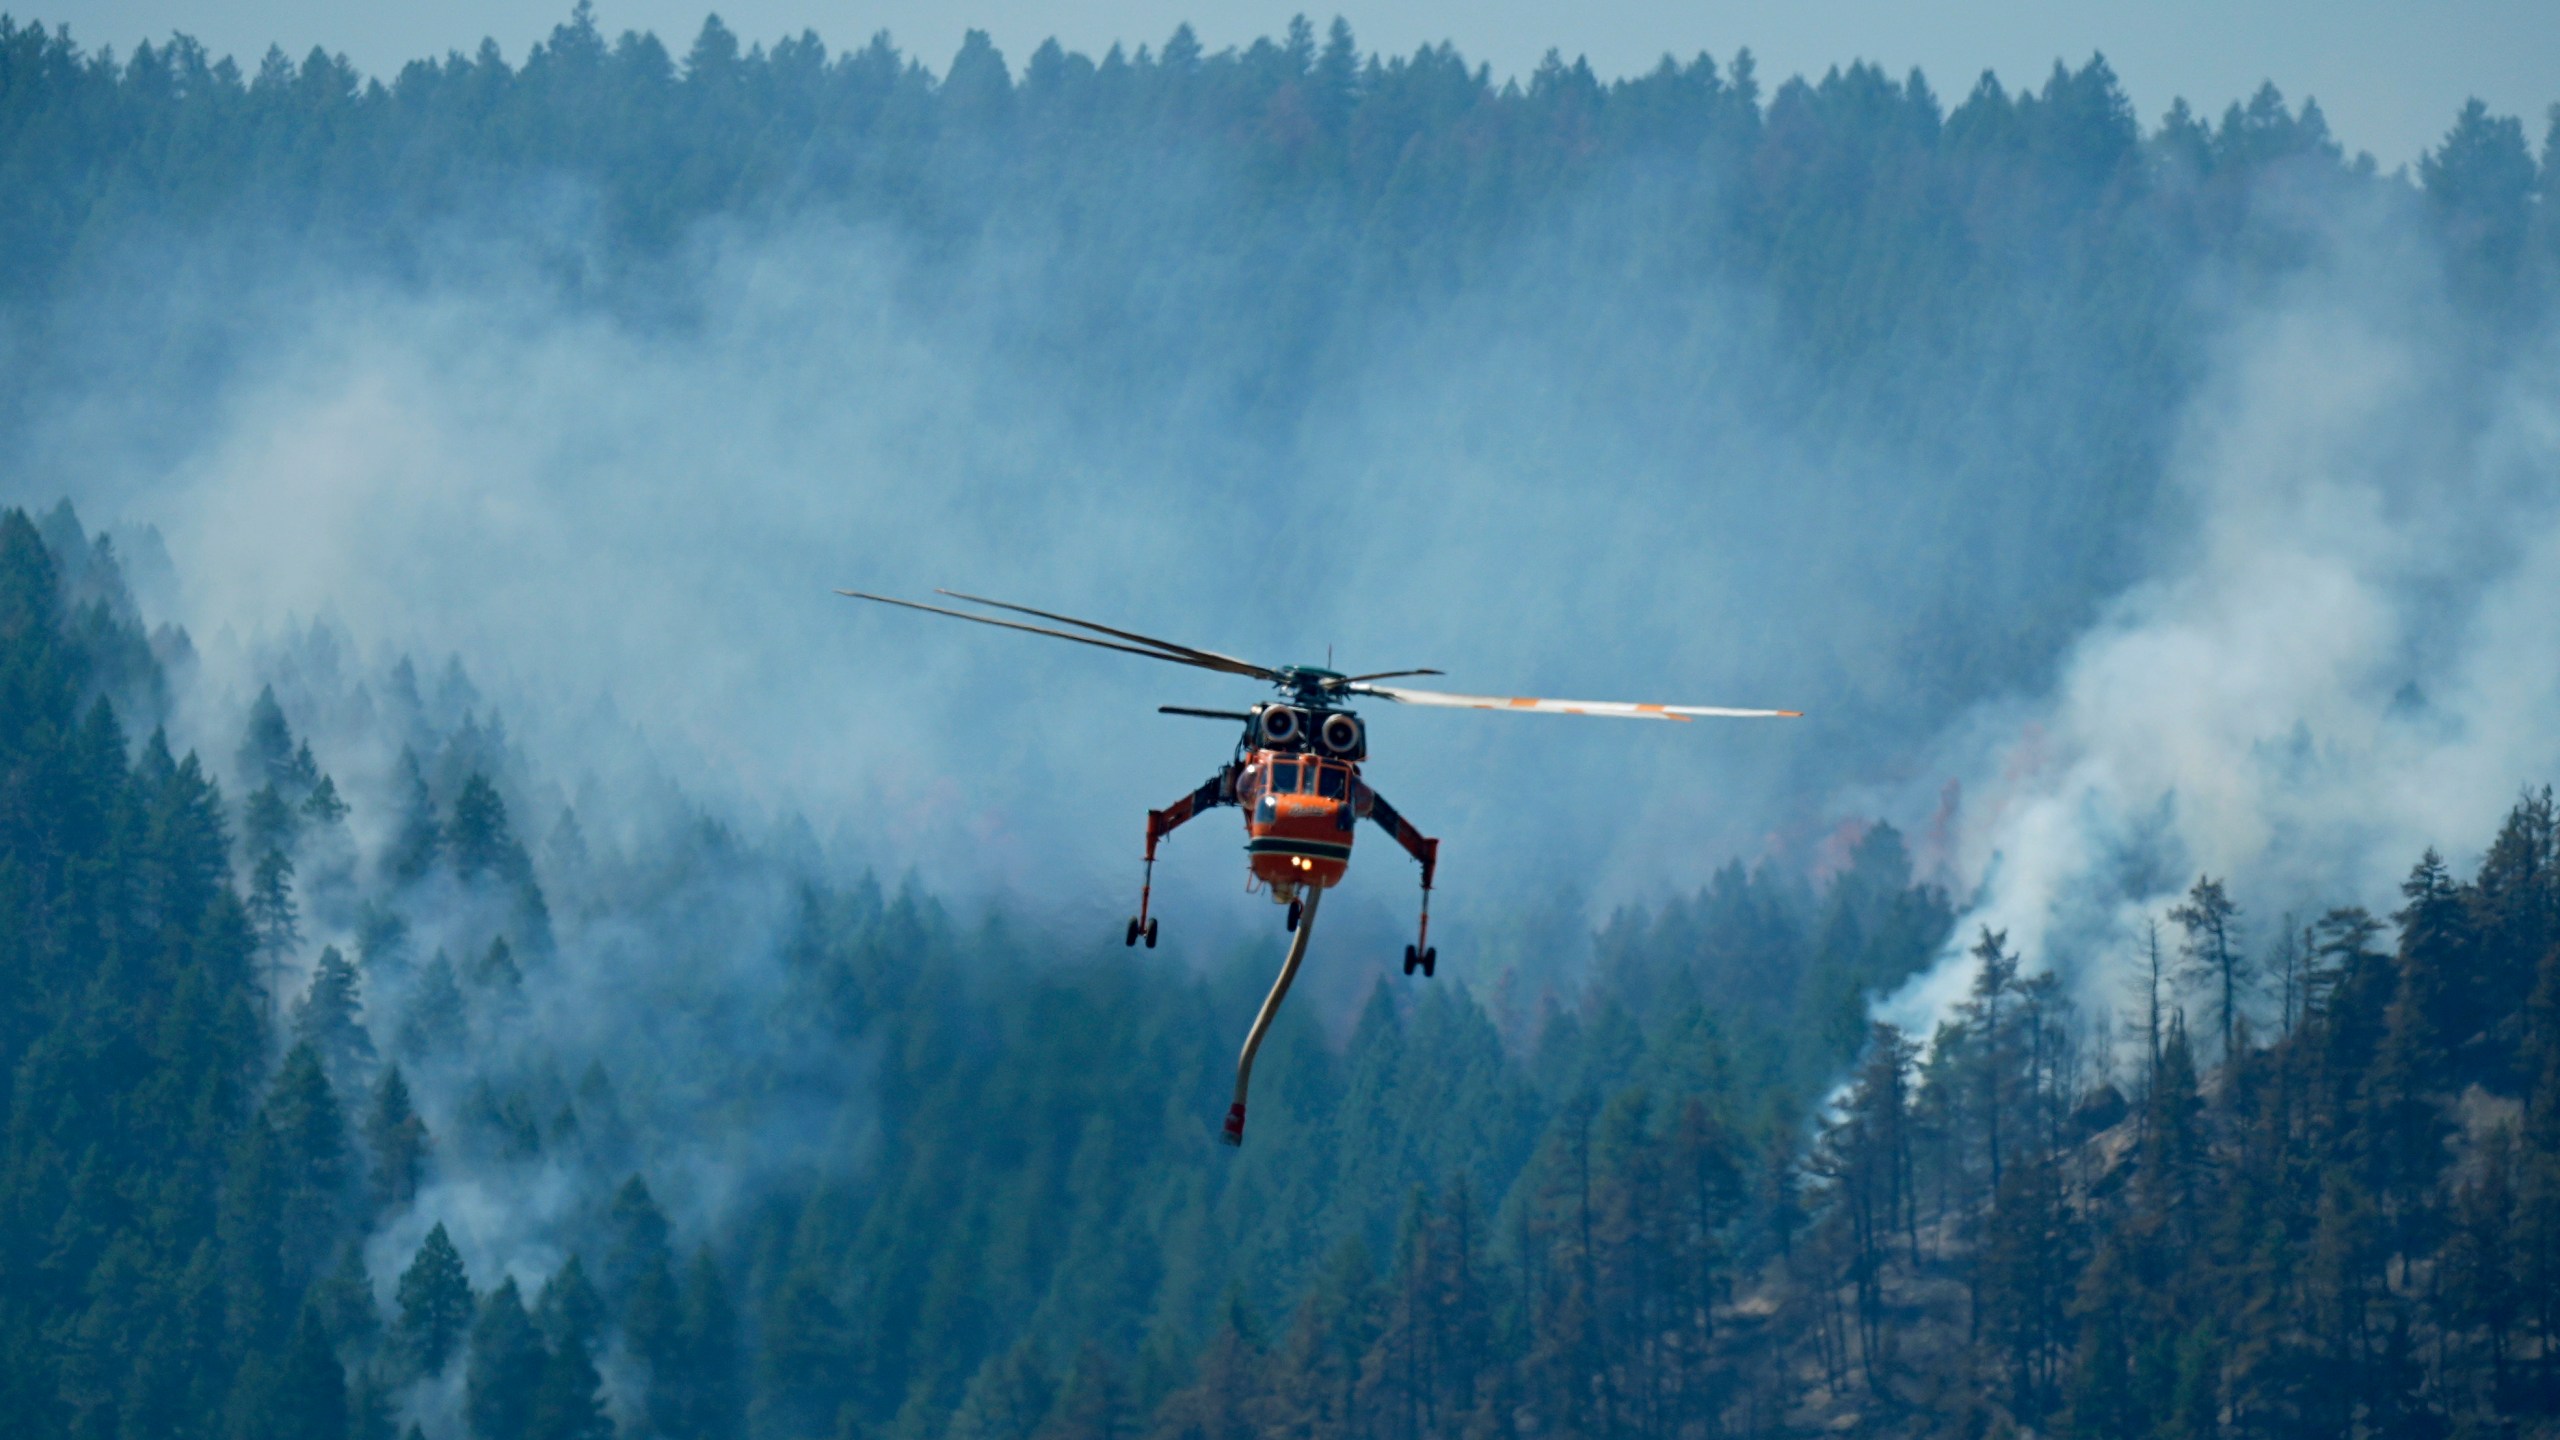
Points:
[[329, 1020], [638, 1240], [568, 1402], [420, 837], [2211, 957], [318, 1169], [300, 1394], [382, 942], [267, 823], [344, 1302], [508, 1361], [435, 1305], [139, 1203], [703, 1392], [267, 751], [274, 919], [324, 808], [477, 838], [396, 1137], [437, 1019]]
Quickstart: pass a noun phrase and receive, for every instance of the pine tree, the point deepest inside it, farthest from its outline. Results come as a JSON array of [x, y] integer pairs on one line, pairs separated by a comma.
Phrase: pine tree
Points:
[[344, 1303], [382, 942], [2404, 1127], [419, 838], [652, 1327], [266, 751], [712, 1395], [2149, 988], [397, 1137], [328, 1020], [2440, 955], [496, 970], [437, 1020], [478, 837], [324, 807], [306, 1399], [249, 1230], [267, 822], [507, 1364], [435, 1305], [2029, 1262], [2104, 1398], [2212, 957], [275, 920], [638, 1243], [2481, 1290], [568, 1402], [311, 1147]]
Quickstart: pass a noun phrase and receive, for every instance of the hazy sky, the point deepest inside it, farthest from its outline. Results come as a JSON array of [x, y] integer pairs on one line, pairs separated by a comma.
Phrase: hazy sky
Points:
[[2390, 73]]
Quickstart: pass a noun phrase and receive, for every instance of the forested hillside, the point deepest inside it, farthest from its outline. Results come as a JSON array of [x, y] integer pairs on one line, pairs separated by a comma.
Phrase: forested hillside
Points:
[[1004, 1215], [369, 1071], [966, 1166]]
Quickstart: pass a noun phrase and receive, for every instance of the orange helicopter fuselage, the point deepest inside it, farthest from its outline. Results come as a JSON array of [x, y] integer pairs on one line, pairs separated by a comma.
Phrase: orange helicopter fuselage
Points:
[[1300, 813]]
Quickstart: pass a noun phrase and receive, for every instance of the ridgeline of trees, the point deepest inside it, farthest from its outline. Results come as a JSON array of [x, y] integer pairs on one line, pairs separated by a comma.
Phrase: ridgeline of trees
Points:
[[1870, 202]]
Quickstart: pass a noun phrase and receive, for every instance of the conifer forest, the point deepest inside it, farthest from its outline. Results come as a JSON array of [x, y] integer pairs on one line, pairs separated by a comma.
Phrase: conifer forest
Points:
[[488, 953]]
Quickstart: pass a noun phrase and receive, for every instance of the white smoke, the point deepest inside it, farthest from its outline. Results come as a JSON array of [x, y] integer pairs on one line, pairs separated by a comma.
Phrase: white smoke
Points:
[[2347, 659]]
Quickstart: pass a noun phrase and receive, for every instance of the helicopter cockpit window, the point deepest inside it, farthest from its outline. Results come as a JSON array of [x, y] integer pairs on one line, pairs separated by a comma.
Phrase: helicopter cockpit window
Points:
[[1284, 779], [1330, 781]]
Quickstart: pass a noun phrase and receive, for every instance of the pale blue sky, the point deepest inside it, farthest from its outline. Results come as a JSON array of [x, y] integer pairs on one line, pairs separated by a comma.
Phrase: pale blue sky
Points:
[[2389, 73]]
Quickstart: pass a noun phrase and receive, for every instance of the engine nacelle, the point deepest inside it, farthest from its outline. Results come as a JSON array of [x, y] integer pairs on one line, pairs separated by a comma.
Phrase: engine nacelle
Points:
[[1281, 726], [1342, 735]]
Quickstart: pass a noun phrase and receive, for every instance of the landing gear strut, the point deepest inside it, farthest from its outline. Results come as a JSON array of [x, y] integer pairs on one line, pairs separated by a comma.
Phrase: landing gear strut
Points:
[[1220, 790]]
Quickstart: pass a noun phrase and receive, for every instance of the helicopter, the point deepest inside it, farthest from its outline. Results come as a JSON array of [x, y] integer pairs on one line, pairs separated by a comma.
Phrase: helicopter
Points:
[[1296, 775]]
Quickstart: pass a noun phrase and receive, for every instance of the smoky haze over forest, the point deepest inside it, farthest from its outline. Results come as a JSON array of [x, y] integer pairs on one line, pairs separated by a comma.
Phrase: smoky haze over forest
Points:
[[2125, 497], [1573, 447]]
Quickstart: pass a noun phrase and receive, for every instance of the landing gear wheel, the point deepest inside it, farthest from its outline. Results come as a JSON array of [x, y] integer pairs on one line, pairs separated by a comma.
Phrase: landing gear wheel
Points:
[[1410, 959], [1150, 933], [1296, 908], [1133, 931], [1430, 962]]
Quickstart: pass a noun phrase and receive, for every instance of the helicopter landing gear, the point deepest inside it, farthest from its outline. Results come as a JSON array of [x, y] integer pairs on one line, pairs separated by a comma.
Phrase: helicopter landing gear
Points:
[[1419, 955], [1296, 909], [1220, 790]]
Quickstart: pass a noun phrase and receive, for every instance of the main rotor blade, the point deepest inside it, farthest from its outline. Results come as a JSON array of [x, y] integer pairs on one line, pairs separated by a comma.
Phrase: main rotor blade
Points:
[[1190, 651], [1377, 675], [1221, 665], [1535, 706]]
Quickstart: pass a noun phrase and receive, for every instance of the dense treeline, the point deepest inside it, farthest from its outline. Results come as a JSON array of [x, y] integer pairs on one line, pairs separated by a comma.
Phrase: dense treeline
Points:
[[2323, 1207], [235, 1150], [1859, 194], [2342, 1228]]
